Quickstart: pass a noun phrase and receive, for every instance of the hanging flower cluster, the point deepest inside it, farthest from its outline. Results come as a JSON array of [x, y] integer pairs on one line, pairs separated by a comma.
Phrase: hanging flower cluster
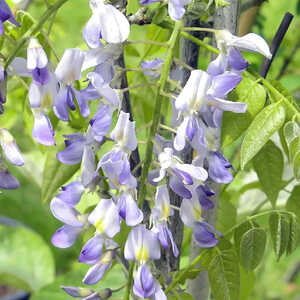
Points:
[[197, 117]]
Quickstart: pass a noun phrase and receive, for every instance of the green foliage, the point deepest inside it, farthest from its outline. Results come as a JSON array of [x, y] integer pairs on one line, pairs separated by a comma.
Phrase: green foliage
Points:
[[268, 164], [55, 175], [234, 125], [25, 256], [280, 231], [227, 213], [252, 248], [293, 203], [224, 277], [265, 124], [291, 138], [240, 231]]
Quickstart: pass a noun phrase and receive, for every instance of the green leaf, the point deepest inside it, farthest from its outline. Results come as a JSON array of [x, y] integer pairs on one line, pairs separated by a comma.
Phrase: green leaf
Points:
[[191, 274], [240, 231], [247, 283], [160, 14], [290, 131], [24, 255], [234, 125], [55, 174], [252, 248], [224, 275], [132, 6], [294, 148], [296, 168], [268, 164], [279, 229], [294, 235], [293, 203], [265, 124], [227, 213]]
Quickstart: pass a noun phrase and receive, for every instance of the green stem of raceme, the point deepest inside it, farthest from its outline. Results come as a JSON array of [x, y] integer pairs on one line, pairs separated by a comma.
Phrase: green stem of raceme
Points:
[[129, 282], [262, 214], [44, 18], [181, 275], [157, 110], [199, 29]]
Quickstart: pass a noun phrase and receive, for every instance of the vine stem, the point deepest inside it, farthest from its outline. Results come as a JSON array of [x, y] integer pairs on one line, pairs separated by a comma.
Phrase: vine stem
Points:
[[129, 282], [181, 275], [157, 110], [199, 42], [199, 29], [44, 18]]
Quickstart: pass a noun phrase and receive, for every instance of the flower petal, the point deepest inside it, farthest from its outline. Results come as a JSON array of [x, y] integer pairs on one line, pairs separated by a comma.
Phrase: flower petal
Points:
[[65, 236]]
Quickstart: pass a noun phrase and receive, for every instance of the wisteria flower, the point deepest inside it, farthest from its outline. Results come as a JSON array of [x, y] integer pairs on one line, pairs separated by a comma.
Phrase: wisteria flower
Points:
[[186, 173], [191, 215], [141, 245], [201, 90], [87, 294], [6, 15], [107, 23]]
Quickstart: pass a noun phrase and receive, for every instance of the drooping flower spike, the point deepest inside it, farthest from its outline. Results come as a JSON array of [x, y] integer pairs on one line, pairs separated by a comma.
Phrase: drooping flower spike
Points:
[[106, 23]]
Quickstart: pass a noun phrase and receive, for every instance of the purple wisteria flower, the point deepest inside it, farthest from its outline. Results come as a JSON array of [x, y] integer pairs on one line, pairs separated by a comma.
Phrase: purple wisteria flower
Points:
[[200, 91], [12, 153], [160, 214], [155, 65], [87, 294], [230, 56], [10, 149], [191, 215], [186, 173], [144, 284], [42, 90], [106, 23], [67, 72], [6, 15], [176, 8], [74, 222], [106, 220], [141, 245], [7, 181]]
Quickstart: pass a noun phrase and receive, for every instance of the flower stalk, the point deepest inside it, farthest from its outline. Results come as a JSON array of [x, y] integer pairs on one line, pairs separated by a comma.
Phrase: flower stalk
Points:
[[157, 110]]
